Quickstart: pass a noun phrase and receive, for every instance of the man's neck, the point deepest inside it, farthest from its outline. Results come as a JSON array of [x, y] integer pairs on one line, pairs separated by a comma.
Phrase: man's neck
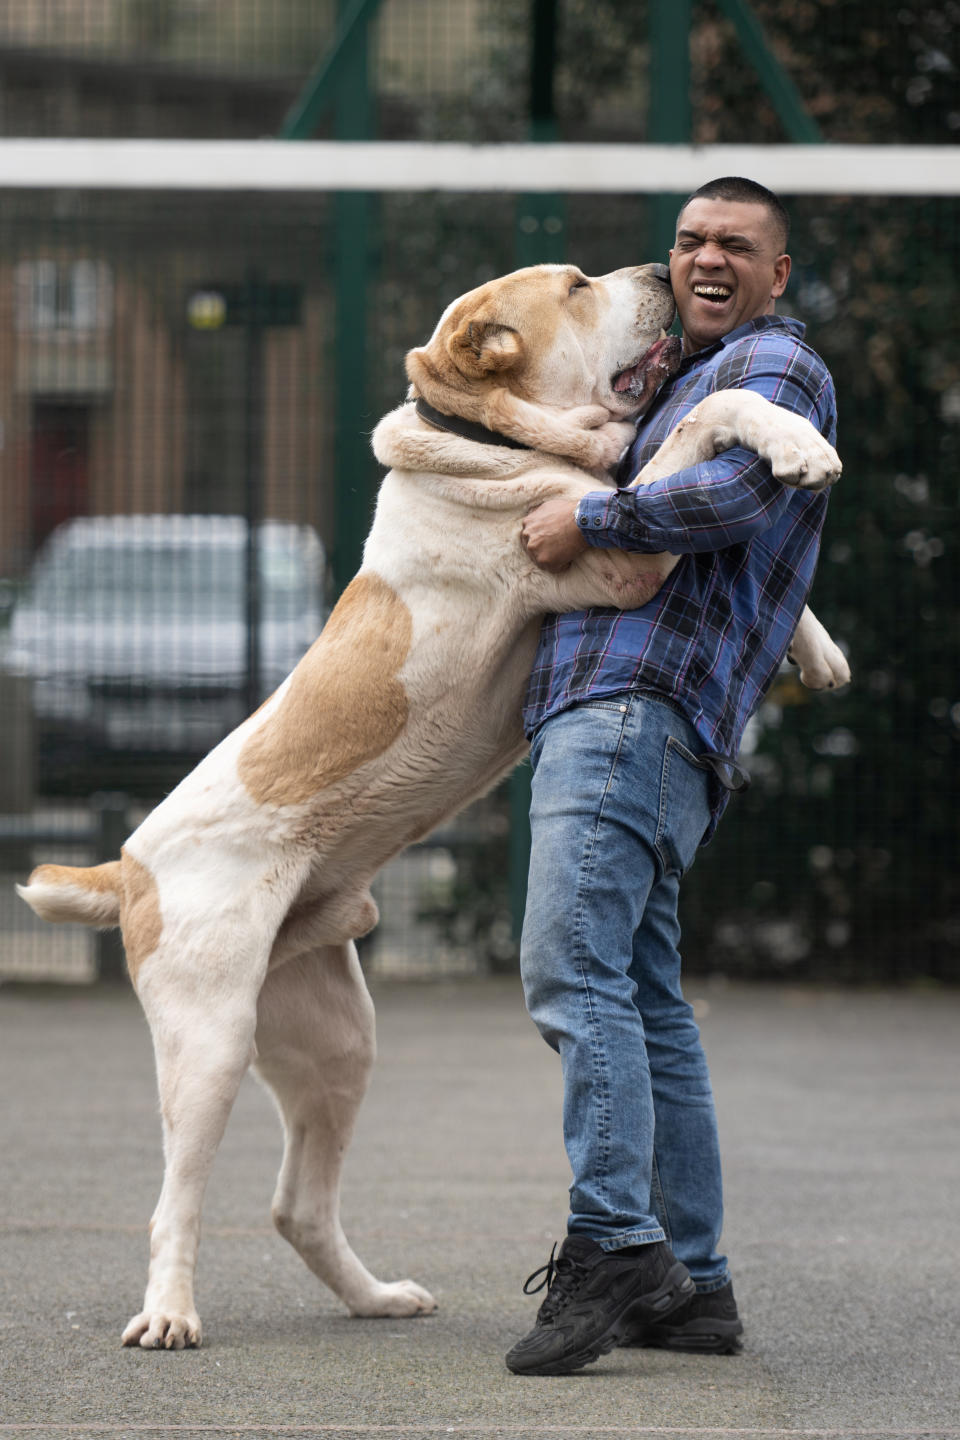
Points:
[[688, 345]]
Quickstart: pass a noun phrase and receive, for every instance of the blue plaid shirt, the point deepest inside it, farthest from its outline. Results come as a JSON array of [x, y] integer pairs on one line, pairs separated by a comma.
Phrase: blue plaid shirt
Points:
[[713, 638]]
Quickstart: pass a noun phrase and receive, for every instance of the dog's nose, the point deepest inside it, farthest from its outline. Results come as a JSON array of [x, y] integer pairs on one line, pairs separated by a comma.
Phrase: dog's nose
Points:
[[660, 272]]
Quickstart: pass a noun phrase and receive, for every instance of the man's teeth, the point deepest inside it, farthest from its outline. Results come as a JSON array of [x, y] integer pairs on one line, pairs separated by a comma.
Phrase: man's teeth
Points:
[[716, 291]]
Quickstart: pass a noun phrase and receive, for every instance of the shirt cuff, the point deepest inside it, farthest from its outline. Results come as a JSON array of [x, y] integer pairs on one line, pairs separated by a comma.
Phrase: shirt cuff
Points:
[[595, 515]]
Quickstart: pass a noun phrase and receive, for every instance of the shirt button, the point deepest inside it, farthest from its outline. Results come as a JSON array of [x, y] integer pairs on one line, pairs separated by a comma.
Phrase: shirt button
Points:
[[597, 520]]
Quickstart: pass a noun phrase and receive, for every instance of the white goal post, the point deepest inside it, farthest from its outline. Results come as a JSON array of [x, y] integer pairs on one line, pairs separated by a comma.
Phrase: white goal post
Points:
[[297, 165]]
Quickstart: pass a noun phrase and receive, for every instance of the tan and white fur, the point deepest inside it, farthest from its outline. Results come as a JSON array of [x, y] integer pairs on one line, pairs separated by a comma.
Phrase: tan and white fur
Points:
[[241, 895]]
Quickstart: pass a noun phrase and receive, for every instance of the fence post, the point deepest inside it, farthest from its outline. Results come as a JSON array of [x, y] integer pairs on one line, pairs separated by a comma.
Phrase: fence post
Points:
[[540, 237], [17, 772], [669, 116], [110, 815]]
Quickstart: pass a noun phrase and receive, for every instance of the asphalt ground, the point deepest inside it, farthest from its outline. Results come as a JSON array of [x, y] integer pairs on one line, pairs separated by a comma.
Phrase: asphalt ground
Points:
[[840, 1119]]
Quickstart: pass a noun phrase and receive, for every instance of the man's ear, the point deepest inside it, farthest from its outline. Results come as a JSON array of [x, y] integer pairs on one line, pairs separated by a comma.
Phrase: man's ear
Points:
[[781, 274], [482, 347]]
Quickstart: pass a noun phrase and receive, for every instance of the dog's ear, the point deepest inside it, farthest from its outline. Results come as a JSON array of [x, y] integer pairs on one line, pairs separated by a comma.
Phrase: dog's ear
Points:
[[420, 372], [483, 347]]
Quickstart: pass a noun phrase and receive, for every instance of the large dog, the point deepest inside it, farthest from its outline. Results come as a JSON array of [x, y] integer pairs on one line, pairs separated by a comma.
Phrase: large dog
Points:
[[240, 896]]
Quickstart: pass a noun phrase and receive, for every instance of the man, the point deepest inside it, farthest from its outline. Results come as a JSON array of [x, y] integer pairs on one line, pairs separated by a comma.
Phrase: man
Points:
[[635, 720]]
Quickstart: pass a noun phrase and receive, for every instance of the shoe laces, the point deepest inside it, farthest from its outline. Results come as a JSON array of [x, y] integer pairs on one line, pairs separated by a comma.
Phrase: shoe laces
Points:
[[561, 1277]]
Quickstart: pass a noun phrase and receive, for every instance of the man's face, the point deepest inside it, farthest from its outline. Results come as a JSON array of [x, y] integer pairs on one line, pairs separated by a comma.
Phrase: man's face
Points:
[[725, 267]]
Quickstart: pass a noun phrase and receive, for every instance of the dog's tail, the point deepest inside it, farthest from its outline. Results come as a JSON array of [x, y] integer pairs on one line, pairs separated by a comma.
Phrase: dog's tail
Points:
[[64, 892]]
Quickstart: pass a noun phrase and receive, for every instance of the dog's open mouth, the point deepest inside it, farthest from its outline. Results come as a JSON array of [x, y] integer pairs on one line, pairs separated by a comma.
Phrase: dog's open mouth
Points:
[[642, 380]]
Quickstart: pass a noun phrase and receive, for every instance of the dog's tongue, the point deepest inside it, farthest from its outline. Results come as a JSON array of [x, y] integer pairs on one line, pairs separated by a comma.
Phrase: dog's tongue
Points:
[[656, 365], [626, 378]]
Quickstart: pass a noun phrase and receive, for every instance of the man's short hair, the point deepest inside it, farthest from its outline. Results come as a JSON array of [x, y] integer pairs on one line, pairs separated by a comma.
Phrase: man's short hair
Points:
[[740, 190]]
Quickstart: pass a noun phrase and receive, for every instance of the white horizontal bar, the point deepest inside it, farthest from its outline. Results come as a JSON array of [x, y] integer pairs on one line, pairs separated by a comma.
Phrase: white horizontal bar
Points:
[[398, 165]]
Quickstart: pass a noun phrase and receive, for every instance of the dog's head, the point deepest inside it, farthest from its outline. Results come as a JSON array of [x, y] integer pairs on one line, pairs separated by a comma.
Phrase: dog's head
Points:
[[553, 337]]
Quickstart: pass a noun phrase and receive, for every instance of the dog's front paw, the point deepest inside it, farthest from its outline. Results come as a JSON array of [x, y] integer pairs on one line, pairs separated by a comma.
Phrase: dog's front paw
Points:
[[812, 465], [163, 1330], [609, 442], [402, 1297], [588, 417]]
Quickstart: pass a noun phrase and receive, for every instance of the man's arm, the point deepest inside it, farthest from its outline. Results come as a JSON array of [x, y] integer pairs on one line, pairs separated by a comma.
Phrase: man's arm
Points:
[[720, 502], [708, 506], [705, 507]]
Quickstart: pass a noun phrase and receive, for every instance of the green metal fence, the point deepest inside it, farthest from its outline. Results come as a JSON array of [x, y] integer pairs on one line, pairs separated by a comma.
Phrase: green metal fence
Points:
[[228, 355]]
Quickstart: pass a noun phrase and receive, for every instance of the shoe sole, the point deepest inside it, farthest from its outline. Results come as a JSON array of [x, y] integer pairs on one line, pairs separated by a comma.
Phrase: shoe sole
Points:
[[674, 1290], [713, 1339], [705, 1337]]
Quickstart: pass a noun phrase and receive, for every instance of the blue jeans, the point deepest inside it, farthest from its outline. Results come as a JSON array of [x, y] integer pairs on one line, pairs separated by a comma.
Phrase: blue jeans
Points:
[[619, 806]]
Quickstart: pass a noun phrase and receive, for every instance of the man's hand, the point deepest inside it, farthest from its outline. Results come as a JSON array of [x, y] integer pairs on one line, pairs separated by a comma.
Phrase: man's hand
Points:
[[550, 535]]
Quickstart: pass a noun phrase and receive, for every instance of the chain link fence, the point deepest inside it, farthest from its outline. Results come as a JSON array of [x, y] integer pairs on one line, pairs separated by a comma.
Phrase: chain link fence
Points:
[[168, 364]]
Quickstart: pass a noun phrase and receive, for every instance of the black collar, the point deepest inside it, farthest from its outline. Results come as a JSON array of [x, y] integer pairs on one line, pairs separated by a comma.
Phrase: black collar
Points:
[[466, 429]]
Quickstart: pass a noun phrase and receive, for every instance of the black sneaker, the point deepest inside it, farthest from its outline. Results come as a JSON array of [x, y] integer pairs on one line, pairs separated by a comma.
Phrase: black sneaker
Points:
[[592, 1296], [705, 1323]]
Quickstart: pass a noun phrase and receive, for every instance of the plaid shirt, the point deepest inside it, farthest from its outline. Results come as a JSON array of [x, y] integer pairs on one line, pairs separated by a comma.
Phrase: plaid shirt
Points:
[[711, 641]]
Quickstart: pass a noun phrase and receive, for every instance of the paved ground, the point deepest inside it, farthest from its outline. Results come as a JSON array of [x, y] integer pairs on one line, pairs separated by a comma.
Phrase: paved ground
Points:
[[841, 1126]]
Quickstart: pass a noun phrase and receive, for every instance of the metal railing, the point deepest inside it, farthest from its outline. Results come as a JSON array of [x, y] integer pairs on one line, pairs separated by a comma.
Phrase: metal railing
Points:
[[101, 832]]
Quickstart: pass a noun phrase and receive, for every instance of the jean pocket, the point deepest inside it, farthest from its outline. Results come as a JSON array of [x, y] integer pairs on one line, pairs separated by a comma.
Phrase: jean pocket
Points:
[[578, 747], [684, 806]]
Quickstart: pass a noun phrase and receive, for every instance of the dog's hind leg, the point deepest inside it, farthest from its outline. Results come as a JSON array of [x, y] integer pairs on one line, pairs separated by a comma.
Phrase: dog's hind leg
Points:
[[315, 1050], [203, 1034], [823, 665]]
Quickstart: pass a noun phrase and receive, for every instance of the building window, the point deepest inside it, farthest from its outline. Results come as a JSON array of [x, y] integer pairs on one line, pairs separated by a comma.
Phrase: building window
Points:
[[63, 295]]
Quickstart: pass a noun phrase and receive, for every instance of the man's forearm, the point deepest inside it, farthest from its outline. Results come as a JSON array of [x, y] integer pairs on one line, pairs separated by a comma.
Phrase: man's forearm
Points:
[[721, 502]]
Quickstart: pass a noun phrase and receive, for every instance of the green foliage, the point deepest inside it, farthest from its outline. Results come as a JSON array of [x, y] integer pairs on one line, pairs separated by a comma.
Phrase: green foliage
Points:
[[842, 859]]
